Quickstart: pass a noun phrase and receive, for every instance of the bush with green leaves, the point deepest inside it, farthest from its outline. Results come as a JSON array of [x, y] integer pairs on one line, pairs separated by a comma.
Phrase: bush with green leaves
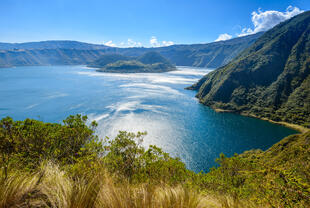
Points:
[[25, 144], [127, 158], [74, 146]]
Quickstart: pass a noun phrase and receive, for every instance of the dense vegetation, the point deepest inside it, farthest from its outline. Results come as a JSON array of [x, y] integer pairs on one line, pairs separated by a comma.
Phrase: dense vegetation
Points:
[[72, 52], [152, 58], [270, 79], [148, 62], [109, 59], [278, 177], [67, 165]]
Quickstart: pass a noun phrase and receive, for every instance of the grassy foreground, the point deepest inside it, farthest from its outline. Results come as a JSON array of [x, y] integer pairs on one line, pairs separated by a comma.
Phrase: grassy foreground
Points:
[[66, 165], [51, 187]]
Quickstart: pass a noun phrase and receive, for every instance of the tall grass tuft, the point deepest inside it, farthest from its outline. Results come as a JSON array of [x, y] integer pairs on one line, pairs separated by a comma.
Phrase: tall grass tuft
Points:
[[52, 187], [56, 187], [147, 196], [62, 191], [17, 190], [178, 197]]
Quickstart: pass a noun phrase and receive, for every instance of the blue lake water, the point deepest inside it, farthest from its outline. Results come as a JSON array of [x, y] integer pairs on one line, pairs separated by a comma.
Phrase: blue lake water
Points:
[[156, 103]]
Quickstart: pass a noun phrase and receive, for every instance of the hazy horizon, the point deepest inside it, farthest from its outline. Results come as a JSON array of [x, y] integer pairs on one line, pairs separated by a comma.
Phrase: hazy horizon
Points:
[[60, 40]]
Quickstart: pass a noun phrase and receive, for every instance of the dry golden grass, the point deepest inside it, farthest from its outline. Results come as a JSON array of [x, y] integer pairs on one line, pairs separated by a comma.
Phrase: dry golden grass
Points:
[[51, 187], [16, 190], [146, 196]]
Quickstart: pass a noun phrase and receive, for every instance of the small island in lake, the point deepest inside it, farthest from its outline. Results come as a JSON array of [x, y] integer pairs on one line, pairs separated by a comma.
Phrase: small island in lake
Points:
[[150, 62]]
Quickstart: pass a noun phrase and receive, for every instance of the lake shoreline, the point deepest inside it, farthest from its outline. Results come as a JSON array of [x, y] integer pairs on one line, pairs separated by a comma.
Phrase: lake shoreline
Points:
[[296, 127], [102, 70]]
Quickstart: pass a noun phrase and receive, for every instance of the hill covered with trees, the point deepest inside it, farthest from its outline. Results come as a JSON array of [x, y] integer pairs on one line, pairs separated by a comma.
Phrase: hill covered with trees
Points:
[[109, 59], [270, 79], [149, 62]]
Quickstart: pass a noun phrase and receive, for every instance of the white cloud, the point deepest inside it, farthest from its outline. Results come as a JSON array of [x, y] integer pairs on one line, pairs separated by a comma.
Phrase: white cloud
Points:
[[263, 21], [167, 43], [155, 43], [132, 43], [109, 43], [224, 36]]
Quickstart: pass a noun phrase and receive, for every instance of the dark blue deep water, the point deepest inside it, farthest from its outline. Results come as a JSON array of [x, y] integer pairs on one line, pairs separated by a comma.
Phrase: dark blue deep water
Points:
[[156, 103]]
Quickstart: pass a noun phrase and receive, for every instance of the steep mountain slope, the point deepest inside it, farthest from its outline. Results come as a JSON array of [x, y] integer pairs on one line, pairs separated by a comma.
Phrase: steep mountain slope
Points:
[[67, 52], [211, 55], [269, 79]]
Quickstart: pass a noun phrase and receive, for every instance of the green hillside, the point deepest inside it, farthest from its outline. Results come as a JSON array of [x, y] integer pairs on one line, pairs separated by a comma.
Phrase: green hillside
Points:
[[152, 58], [146, 63], [278, 177], [108, 59], [270, 79]]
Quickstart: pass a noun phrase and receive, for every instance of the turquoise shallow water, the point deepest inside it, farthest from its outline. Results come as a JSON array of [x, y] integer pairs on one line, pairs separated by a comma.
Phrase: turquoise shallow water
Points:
[[156, 103]]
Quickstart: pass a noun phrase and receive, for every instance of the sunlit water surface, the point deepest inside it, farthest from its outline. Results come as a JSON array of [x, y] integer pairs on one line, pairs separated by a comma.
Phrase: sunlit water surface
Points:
[[156, 103]]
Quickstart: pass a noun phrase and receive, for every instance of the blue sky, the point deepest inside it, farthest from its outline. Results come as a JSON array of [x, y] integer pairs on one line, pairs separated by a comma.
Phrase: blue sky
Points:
[[139, 22]]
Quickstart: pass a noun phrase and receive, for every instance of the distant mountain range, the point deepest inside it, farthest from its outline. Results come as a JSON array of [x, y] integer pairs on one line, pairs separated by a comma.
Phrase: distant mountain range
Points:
[[52, 44], [210, 55], [270, 79]]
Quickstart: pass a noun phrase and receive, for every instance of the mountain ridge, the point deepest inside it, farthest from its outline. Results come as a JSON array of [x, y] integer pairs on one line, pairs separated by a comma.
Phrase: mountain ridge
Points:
[[51, 44], [209, 55], [270, 79]]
